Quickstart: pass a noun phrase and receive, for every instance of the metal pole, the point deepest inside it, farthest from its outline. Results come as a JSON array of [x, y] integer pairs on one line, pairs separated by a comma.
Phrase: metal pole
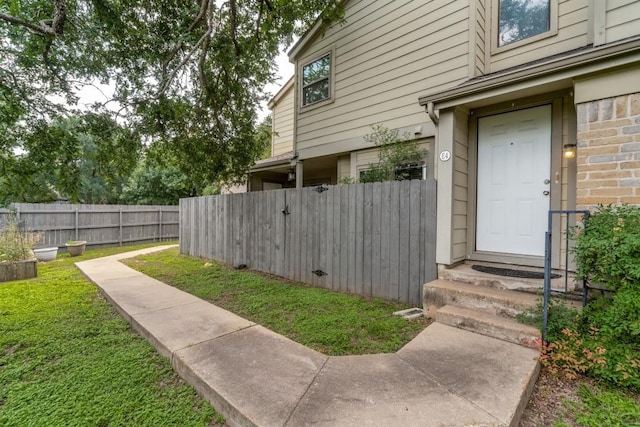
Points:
[[547, 278]]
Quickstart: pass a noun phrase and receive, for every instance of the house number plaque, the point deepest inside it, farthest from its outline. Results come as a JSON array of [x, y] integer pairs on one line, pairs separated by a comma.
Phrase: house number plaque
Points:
[[445, 155]]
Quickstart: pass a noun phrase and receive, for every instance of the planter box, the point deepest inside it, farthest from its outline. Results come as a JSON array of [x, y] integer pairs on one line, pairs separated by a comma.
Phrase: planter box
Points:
[[18, 270], [76, 248], [46, 254]]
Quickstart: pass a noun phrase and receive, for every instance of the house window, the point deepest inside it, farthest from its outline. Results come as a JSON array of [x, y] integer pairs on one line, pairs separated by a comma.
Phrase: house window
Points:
[[406, 172], [411, 171], [522, 19], [315, 80]]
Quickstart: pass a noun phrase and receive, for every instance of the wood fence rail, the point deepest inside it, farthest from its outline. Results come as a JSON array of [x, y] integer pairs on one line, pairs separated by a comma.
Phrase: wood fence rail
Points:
[[367, 239], [99, 225]]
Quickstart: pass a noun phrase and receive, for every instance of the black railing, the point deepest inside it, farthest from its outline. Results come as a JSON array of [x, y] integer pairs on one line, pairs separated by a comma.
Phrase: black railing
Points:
[[547, 262]]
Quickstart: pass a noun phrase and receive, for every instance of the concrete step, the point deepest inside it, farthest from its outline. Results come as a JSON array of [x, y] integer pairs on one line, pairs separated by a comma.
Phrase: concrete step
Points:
[[490, 325], [465, 273], [499, 302]]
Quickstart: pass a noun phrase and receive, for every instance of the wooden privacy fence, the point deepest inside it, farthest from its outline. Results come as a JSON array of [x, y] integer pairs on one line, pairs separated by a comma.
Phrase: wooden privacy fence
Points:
[[367, 239], [99, 225]]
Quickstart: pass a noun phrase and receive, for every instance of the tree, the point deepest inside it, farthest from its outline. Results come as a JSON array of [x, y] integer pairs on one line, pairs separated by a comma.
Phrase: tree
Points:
[[84, 158], [394, 156], [263, 137], [188, 75], [155, 184]]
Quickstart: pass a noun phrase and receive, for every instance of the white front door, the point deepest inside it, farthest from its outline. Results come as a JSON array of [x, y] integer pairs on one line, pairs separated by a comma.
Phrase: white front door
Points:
[[514, 152]]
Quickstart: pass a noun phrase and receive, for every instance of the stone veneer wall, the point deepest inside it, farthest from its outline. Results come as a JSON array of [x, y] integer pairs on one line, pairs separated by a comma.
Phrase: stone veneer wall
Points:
[[608, 159]]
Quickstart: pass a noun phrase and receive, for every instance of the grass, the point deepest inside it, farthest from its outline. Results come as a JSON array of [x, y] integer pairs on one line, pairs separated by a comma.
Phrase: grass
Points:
[[598, 406], [68, 359], [327, 321]]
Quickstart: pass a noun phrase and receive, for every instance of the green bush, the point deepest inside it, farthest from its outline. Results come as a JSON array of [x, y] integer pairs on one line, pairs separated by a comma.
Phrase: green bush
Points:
[[608, 249], [605, 341], [15, 242]]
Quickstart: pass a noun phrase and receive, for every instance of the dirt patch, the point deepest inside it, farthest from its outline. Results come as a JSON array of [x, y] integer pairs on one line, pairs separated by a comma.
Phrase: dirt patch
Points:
[[545, 406]]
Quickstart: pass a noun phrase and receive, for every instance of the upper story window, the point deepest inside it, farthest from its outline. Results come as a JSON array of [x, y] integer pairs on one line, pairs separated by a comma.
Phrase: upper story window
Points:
[[316, 80], [522, 19]]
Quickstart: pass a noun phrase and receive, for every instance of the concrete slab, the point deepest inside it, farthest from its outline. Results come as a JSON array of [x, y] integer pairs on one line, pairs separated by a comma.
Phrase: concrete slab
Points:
[[253, 376], [444, 377], [106, 269], [175, 328], [382, 390], [143, 294], [491, 373]]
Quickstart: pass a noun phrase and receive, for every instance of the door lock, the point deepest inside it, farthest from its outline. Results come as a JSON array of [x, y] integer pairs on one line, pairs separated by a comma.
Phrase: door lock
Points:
[[547, 181]]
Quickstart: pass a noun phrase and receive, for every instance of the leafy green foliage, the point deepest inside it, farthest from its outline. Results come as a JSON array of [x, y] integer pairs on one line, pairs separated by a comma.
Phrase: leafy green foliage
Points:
[[393, 155], [562, 315], [16, 243], [608, 249], [329, 322], [69, 359], [189, 75], [599, 407], [604, 342], [85, 159], [263, 137], [156, 182]]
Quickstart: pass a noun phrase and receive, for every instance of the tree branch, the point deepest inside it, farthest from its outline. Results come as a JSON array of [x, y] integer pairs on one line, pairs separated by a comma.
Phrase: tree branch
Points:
[[50, 27], [233, 23], [174, 72], [44, 30]]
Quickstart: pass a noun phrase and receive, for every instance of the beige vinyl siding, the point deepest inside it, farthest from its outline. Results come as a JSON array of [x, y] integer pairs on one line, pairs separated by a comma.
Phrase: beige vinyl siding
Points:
[[622, 19], [386, 54], [460, 185], [480, 34], [282, 114], [344, 167], [573, 22]]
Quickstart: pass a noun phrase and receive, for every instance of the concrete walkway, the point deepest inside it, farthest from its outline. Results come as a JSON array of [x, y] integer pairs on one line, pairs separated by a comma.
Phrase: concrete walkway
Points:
[[444, 377]]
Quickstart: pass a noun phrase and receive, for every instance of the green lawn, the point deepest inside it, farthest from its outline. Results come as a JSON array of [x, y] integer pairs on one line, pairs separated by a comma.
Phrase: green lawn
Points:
[[68, 359], [330, 322]]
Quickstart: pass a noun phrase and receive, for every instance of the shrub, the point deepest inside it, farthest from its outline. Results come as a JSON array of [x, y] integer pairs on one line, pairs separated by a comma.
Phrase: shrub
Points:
[[15, 242], [605, 341], [608, 249], [395, 154]]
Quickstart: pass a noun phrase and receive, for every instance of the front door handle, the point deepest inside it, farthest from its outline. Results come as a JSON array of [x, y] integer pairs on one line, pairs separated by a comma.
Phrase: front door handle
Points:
[[546, 192]]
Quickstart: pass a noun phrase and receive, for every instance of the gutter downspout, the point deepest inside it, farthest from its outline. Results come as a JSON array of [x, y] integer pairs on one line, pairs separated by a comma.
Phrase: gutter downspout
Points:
[[432, 113]]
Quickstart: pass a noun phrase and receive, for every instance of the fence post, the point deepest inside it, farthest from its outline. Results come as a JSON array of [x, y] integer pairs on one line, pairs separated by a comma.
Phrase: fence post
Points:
[[120, 224], [76, 224], [160, 225]]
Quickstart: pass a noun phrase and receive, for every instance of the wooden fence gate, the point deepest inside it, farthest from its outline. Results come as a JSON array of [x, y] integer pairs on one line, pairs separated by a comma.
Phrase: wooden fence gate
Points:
[[367, 239]]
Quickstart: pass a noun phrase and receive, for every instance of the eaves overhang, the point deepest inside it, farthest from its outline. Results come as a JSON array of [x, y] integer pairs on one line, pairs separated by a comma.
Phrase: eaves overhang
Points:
[[568, 66], [274, 162]]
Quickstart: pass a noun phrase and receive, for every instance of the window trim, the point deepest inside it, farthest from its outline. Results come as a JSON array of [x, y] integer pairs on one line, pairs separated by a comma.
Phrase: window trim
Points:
[[331, 79], [495, 28]]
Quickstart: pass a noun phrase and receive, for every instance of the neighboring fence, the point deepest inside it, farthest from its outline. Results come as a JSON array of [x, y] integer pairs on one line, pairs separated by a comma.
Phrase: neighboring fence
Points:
[[367, 239], [99, 225]]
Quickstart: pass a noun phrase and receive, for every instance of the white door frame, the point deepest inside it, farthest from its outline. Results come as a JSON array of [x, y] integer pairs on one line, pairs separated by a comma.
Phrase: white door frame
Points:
[[555, 186]]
